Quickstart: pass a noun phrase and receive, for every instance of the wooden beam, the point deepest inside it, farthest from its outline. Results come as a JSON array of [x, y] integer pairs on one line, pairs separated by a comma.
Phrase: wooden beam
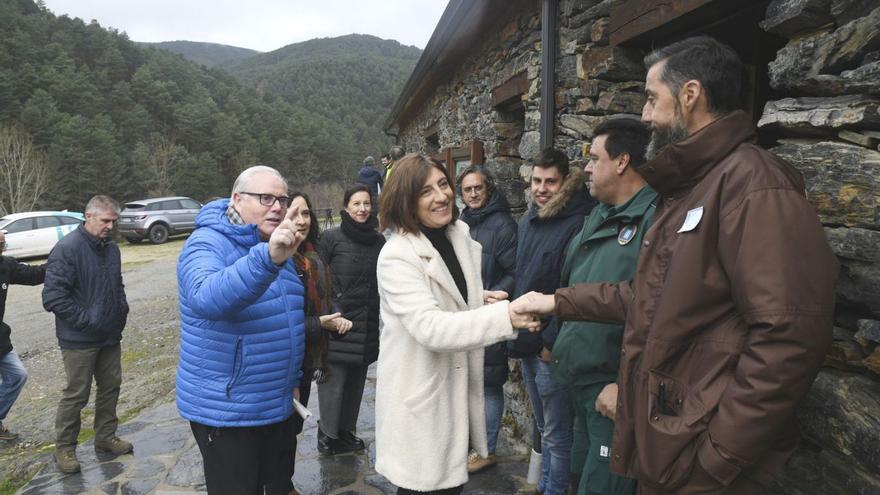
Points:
[[637, 17], [511, 90]]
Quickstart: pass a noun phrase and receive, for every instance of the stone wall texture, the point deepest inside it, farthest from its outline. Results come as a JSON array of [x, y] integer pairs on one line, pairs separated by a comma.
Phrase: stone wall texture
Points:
[[824, 119]]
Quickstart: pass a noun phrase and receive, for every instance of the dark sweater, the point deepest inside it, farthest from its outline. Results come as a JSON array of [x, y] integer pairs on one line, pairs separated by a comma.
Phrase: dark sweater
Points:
[[444, 247]]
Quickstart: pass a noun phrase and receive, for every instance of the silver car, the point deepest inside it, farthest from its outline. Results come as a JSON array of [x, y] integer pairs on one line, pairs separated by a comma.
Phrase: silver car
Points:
[[156, 219]]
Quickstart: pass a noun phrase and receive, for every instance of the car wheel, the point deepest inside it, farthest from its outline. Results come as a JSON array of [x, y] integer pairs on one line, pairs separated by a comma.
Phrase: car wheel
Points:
[[133, 240], [158, 233]]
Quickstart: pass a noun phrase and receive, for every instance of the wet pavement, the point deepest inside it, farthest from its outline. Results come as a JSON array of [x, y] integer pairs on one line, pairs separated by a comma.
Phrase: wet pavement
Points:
[[166, 461]]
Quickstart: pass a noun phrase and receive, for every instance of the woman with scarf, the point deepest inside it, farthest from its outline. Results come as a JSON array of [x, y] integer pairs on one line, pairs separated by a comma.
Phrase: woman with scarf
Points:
[[315, 276], [350, 251]]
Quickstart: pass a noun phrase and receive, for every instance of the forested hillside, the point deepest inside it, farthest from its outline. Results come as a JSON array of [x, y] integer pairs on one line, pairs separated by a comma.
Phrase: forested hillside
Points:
[[353, 80], [207, 54], [105, 115]]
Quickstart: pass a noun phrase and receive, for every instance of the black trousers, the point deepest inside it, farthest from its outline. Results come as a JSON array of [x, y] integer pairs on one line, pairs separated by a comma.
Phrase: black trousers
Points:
[[447, 491], [247, 460]]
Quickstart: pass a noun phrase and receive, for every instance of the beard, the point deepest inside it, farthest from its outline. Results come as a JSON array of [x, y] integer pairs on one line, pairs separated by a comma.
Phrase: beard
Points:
[[663, 135]]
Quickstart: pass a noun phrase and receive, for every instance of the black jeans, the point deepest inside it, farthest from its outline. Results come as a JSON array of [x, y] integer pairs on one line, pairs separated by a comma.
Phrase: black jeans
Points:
[[447, 491], [244, 461]]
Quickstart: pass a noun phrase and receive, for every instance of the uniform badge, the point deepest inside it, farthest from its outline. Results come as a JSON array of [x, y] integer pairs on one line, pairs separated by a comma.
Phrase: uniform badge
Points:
[[627, 233]]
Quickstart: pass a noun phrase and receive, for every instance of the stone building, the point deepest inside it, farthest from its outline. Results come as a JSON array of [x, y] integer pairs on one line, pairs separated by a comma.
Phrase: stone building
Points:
[[479, 95]]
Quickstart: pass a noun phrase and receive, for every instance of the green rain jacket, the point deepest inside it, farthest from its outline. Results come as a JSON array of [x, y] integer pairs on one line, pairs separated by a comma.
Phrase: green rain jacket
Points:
[[605, 250]]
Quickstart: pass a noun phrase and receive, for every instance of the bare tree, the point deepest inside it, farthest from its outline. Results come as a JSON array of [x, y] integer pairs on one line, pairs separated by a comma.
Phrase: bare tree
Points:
[[161, 160], [24, 171]]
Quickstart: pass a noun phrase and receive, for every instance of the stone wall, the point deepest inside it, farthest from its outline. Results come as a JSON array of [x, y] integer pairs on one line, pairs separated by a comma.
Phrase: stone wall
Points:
[[828, 126], [462, 109], [824, 119]]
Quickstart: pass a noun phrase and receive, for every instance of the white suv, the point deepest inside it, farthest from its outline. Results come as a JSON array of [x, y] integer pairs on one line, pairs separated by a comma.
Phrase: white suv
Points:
[[35, 233]]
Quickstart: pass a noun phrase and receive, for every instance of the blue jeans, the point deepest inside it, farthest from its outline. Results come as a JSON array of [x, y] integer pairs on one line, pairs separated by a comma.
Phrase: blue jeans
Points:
[[554, 415], [494, 397], [12, 378]]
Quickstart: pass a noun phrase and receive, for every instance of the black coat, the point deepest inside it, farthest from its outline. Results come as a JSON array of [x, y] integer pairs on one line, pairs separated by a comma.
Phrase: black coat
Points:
[[355, 295], [542, 239], [494, 228], [13, 272], [84, 289]]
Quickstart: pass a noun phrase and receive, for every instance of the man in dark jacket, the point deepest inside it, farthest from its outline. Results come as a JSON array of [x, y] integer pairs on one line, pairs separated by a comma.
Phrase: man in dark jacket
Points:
[[488, 216], [587, 354], [373, 179], [560, 203], [12, 372], [729, 315], [84, 289]]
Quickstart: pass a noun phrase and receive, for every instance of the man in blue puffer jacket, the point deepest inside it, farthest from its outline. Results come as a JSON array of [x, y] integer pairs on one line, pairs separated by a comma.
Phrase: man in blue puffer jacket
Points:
[[242, 335]]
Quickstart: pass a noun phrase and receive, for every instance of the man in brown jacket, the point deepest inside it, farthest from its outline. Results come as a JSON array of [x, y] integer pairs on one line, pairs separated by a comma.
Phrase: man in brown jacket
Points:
[[729, 315]]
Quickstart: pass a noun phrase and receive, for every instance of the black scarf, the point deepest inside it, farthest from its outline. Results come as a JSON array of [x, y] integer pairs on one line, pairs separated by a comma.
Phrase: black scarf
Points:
[[361, 233]]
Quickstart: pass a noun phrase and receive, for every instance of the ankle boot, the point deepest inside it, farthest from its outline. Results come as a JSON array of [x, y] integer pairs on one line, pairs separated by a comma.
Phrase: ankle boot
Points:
[[349, 442], [326, 444]]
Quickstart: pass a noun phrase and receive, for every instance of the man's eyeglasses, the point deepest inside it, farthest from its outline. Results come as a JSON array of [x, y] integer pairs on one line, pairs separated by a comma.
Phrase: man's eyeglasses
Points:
[[474, 189], [270, 199]]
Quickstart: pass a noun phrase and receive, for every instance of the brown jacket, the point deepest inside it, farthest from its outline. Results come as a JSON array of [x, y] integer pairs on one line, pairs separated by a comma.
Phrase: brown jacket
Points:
[[727, 320]]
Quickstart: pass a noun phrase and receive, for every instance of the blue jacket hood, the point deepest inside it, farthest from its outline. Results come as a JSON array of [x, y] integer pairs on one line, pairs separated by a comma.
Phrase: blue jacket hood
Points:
[[213, 216]]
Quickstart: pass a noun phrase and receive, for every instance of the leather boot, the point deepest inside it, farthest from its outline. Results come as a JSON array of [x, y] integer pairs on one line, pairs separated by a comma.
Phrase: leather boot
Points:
[[349, 442], [326, 444]]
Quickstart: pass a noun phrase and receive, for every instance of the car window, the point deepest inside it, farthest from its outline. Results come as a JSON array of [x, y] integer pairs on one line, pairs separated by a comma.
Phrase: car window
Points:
[[154, 206], [190, 204], [22, 225], [47, 222], [134, 206], [69, 220], [171, 204]]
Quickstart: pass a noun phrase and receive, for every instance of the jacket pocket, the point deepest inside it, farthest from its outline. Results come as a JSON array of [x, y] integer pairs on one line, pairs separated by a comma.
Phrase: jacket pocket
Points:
[[675, 422], [425, 395], [237, 365]]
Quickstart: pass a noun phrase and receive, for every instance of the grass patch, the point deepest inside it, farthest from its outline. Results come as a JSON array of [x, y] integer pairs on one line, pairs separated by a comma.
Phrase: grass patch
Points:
[[9, 486], [130, 356]]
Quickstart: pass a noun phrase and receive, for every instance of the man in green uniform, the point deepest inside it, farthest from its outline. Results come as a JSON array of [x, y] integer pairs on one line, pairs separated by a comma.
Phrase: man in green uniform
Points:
[[587, 354]]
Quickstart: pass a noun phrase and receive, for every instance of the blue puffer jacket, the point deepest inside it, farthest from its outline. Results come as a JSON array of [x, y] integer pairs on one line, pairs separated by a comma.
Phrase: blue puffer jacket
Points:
[[242, 334]]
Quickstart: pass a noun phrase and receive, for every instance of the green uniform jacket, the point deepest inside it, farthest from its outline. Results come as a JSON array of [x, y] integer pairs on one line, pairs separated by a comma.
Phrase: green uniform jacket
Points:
[[605, 250]]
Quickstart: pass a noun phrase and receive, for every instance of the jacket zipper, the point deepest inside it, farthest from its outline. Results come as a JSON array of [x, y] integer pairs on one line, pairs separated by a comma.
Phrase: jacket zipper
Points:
[[236, 368]]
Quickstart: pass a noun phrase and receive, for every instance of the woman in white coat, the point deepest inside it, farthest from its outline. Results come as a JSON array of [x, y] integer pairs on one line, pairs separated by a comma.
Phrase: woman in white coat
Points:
[[436, 321]]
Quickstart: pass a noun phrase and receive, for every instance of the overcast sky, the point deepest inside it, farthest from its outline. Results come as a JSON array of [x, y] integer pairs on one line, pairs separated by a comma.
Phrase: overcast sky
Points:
[[263, 25]]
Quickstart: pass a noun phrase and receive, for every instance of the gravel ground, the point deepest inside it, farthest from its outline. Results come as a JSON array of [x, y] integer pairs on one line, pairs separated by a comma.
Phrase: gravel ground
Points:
[[149, 356]]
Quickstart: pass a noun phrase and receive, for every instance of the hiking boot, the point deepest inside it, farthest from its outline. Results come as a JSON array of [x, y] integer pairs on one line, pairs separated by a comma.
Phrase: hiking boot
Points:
[[65, 458], [115, 446], [477, 463], [349, 442], [7, 435]]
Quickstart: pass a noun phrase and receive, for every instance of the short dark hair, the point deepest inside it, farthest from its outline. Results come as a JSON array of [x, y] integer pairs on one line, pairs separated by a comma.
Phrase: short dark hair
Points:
[[625, 135], [714, 64], [386, 156], [488, 177], [552, 157], [399, 202], [314, 226], [397, 153], [351, 191]]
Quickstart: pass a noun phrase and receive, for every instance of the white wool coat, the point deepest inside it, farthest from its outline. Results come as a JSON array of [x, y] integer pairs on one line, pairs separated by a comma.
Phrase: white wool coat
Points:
[[429, 380]]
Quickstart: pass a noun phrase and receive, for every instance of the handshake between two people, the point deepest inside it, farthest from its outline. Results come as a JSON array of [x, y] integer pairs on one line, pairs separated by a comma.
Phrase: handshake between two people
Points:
[[525, 311]]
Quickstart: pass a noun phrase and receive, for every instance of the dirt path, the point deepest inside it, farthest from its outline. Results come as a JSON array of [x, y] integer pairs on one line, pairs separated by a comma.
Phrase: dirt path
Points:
[[149, 355]]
